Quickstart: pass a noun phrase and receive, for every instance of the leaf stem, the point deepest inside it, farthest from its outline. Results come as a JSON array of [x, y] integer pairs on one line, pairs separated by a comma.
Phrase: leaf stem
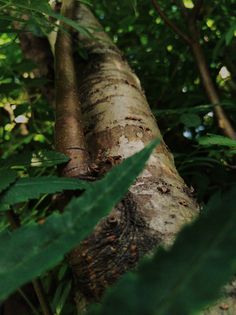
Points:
[[27, 300], [39, 290]]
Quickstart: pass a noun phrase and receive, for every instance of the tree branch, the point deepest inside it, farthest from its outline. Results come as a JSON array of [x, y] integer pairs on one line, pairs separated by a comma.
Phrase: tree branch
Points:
[[69, 134], [169, 23], [212, 94], [208, 84]]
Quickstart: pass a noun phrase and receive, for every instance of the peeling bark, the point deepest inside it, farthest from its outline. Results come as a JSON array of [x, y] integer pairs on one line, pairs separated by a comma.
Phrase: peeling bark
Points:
[[118, 122]]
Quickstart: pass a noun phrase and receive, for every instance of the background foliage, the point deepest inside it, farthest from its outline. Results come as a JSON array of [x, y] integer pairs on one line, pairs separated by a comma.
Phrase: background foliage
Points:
[[169, 76]]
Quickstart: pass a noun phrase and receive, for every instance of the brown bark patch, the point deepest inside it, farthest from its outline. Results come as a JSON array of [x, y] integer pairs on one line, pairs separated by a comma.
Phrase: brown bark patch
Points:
[[114, 247]]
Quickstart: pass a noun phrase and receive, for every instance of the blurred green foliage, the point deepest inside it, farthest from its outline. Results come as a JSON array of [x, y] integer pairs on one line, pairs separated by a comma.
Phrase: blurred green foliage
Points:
[[169, 76]]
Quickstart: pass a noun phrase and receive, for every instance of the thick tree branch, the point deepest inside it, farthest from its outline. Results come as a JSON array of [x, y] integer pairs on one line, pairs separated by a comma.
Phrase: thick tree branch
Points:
[[118, 123]]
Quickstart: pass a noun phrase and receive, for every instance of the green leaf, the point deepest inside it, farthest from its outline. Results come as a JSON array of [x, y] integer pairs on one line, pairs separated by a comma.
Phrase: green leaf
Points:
[[21, 109], [25, 189], [61, 296], [44, 8], [7, 177], [230, 34], [41, 158], [190, 120], [73, 24], [34, 248], [217, 140], [189, 276]]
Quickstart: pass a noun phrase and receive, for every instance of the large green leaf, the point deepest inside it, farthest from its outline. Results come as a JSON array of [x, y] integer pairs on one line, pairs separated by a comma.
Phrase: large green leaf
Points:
[[43, 158], [25, 189], [230, 33], [34, 248], [217, 140], [186, 278], [7, 177]]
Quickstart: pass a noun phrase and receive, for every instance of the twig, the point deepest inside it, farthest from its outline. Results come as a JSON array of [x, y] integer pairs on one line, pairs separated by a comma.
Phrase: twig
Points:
[[171, 25], [24, 296], [38, 288]]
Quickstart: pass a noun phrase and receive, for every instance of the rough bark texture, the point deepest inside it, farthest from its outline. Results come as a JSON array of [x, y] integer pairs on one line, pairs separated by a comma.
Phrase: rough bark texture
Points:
[[118, 122]]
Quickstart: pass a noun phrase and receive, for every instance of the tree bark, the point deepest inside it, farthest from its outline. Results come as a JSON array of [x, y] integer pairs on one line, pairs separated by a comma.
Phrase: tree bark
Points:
[[118, 122]]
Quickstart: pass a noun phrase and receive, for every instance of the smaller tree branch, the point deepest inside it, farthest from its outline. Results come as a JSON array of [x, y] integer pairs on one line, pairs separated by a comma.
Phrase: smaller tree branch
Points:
[[169, 23], [208, 84], [198, 53], [69, 133]]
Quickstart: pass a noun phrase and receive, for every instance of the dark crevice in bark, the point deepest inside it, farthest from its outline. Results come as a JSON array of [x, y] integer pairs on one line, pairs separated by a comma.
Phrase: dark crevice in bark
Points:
[[114, 247]]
